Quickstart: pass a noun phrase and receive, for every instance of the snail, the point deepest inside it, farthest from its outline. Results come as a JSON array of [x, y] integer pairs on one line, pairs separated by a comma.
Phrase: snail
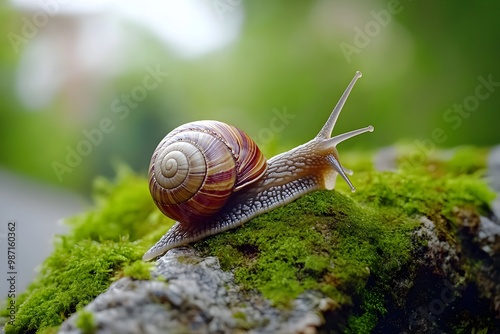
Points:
[[212, 177]]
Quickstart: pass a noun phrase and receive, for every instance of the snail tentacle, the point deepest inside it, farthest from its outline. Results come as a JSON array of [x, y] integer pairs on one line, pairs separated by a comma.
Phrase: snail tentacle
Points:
[[326, 130]]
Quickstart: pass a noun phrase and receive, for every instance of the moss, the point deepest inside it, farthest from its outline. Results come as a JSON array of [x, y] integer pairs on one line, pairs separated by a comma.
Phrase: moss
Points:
[[461, 160], [334, 247], [105, 243], [349, 248], [373, 306], [188, 260], [468, 160], [70, 279], [85, 322], [421, 194], [49, 330], [242, 321], [138, 270]]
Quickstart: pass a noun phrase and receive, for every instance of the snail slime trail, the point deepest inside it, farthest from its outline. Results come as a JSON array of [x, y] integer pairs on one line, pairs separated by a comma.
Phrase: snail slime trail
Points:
[[211, 177]]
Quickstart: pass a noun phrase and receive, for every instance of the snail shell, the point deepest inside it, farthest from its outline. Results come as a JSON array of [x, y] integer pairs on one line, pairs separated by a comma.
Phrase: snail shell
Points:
[[196, 167], [208, 196]]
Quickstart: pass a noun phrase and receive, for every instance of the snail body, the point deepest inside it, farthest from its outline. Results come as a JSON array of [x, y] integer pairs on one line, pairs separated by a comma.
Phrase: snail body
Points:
[[207, 198]]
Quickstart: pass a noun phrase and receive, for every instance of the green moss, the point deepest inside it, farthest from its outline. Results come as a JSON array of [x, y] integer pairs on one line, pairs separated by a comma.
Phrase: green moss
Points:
[[242, 321], [138, 270], [85, 322], [70, 279], [461, 160], [349, 248], [188, 260], [49, 330], [373, 305], [334, 247], [105, 243], [468, 160], [421, 194]]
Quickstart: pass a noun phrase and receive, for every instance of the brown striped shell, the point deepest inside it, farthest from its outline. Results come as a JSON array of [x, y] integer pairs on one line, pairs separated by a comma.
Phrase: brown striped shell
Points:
[[196, 167]]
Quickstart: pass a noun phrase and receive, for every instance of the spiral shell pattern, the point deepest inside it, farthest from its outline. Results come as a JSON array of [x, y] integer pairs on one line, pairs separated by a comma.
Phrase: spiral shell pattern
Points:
[[196, 167]]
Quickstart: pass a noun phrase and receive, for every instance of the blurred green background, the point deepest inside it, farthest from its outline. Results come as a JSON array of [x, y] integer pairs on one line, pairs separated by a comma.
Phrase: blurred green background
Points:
[[68, 68]]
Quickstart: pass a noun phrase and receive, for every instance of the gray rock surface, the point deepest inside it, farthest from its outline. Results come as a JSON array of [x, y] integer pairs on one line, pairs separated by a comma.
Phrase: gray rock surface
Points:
[[193, 295]]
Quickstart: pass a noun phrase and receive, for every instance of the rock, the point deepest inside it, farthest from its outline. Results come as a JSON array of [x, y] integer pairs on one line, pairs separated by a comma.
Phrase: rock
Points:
[[196, 297]]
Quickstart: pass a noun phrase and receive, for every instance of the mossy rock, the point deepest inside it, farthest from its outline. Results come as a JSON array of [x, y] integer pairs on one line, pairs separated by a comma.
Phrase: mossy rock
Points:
[[383, 255]]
